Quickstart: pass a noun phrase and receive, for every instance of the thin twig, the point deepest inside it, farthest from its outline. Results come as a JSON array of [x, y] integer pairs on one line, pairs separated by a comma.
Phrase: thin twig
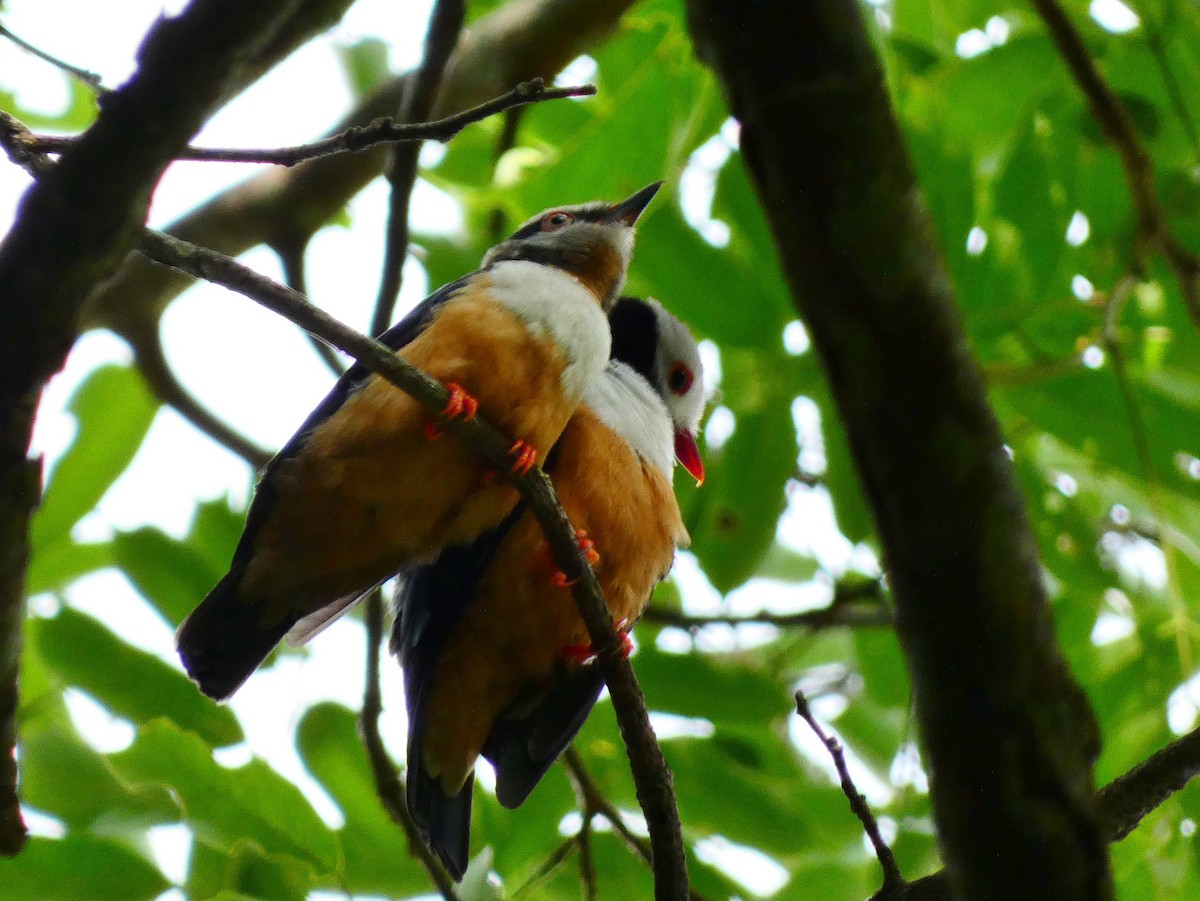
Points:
[[388, 784], [91, 79], [152, 363], [445, 24], [549, 866], [352, 140], [854, 605], [594, 801], [651, 776], [1114, 121], [892, 877], [291, 257], [1140, 435], [1158, 49]]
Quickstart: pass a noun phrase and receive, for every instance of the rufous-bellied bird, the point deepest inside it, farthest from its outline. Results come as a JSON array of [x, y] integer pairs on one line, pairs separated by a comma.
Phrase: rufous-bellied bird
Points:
[[496, 657], [366, 487]]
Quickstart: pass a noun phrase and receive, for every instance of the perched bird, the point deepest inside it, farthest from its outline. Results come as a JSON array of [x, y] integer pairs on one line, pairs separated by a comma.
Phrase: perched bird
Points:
[[496, 657], [365, 487]]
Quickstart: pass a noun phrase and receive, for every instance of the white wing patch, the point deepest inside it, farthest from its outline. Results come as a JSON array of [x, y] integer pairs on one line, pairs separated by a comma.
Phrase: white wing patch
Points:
[[549, 301]]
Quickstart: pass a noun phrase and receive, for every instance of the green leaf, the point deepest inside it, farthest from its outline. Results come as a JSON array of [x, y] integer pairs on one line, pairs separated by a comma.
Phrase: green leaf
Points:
[[372, 845], [130, 682], [173, 575], [734, 691], [76, 867], [733, 518], [364, 63], [64, 777], [54, 567], [247, 873], [227, 806], [113, 410]]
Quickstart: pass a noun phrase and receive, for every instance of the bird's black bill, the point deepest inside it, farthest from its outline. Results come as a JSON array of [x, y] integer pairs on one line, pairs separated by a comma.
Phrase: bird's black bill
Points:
[[628, 210]]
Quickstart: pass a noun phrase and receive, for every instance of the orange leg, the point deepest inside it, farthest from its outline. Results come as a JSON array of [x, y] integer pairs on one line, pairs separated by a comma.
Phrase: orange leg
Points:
[[524, 457], [582, 653], [590, 553], [460, 404]]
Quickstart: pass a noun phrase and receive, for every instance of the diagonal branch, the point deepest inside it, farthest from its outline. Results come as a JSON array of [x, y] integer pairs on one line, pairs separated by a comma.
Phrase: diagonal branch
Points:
[[1114, 121], [440, 41], [72, 232], [651, 776], [388, 784]]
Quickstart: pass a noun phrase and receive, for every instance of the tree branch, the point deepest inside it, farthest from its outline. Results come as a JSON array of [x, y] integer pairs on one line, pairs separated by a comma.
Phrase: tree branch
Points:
[[1114, 121], [444, 26], [1014, 805], [521, 40], [388, 784], [651, 776], [357, 139], [91, 79], [72, 232], [1123, 803], [854, 605], [892, 878]]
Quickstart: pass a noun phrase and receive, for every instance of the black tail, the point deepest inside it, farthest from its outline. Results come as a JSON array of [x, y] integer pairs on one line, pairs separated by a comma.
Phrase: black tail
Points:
[[223, 641], [444, 820], [526, 741]]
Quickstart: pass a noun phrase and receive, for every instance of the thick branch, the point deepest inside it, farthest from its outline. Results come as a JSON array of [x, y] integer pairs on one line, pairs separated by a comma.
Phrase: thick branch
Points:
[[651, 776], [72, 231], [1009, 734]]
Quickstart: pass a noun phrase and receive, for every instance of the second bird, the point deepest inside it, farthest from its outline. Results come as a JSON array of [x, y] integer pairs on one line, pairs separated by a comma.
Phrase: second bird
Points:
[[496, 657]]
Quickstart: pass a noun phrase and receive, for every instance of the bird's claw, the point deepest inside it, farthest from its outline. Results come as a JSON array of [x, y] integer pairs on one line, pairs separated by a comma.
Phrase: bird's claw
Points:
[[583, 653], [460, 405], [524, 457], [590, 554]]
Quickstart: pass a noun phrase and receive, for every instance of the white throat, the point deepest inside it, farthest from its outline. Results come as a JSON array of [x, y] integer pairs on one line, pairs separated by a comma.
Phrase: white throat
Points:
[[627, 404], [552, 302]]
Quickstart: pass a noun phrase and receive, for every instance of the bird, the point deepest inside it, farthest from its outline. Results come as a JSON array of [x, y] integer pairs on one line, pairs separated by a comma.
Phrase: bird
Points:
[[496, 658], [368, 485]]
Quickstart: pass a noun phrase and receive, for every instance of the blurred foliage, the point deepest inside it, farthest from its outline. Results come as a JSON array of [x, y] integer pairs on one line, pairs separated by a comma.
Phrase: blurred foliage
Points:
[[1035, 222]]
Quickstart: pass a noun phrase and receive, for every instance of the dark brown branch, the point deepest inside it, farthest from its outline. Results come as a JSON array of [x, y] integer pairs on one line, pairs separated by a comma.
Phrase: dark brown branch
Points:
[[1114, 121], [506, 141], [388, 784], [152, 362], [854, 604], [291, 257], [892, 878], [522, 39], [549, 866], [91, 79], [354, 140], [72, 232], [442, 37], [1014, 805], [651, 776], [1124, 803]]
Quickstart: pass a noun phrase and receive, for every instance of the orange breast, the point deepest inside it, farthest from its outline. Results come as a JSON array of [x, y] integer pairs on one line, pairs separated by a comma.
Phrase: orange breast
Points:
[[508, 644], [368, 492]]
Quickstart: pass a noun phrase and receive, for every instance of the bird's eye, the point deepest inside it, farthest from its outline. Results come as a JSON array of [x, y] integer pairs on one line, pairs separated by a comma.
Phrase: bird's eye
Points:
[[679, 378], [556, 220]]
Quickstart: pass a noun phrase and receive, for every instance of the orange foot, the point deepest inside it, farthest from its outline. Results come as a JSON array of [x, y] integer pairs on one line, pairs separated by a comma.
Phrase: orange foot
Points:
[[590, 553], [583, 653], [460, 404], [524, 457]]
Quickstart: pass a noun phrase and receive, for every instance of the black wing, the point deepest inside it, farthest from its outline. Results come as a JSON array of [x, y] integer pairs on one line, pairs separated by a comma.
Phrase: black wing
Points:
[[430, 601]]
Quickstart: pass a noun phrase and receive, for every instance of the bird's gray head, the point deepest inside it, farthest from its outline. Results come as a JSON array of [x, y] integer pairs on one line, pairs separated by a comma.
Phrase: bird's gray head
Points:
[[660, 347], [592, 241]]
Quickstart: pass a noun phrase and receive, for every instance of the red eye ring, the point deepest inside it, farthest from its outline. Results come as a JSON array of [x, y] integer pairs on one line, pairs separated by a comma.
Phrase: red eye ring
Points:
[[680, 378], [556, 220]]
